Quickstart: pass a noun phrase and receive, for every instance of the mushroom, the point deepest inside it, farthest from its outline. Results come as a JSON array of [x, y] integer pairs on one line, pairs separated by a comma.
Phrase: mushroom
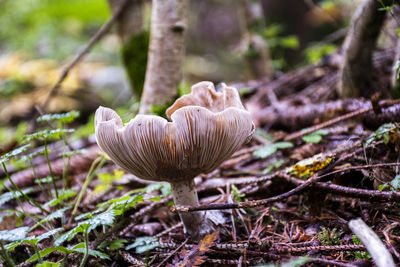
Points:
[[206, 128]]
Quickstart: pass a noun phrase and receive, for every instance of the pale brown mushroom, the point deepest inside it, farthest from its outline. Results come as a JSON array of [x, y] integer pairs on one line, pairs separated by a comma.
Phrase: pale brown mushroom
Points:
[[206, 128]]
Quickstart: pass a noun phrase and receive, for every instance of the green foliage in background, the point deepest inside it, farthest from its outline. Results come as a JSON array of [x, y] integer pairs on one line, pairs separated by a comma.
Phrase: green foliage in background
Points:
[[315, 52], [50, 28], [278, 43]]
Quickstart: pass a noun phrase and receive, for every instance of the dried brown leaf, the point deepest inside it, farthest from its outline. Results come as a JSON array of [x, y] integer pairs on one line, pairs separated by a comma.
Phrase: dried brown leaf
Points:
[[195, 257]]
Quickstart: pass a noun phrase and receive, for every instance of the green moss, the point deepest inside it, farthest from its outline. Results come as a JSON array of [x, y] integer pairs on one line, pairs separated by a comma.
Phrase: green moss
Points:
[[134, 57]]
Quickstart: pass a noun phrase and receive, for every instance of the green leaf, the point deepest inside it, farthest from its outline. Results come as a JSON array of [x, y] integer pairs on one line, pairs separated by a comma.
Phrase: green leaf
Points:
[[48, 264], [382, 187], [80, 248], [315, 52], [273, 165], [120, 205], [237, 197], [63, 117], [385, 8], [12, 154], [120, 200], [15, 234], [315, 137], [4, 198], [164, 187], [47, 251], [35, 240], [396, 182], [69, 154], [64, 195], [383, 133], [68, 235], [48, 134], [282, 145], [312, 138], [262, 133], [265, 151], [268, 150], [88, 215], [34, 154], [370, 139], [290, 42], [356, 240], [44, 180], [144, 244], [13, 245], [49, 233], [105, 218], [117, 244]]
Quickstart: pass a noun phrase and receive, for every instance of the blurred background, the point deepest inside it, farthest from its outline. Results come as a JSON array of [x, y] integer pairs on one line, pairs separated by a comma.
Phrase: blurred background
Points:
[[38, 37]]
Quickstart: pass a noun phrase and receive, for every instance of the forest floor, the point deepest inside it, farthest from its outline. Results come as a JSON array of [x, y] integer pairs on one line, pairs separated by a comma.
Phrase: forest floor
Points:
[[315, 163]]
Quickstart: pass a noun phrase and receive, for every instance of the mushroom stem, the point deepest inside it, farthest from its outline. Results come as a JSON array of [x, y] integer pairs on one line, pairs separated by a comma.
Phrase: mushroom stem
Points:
[[195, 223]]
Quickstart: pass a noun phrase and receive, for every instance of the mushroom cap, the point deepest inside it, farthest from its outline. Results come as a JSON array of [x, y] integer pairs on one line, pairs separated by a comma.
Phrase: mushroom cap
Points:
[[206, 128]]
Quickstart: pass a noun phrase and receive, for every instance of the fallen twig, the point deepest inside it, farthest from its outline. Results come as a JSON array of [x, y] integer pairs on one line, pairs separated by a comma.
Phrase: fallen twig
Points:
[[248, 204], [173, 253]]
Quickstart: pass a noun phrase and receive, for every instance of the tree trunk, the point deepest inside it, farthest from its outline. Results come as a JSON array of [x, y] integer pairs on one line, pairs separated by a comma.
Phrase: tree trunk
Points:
[[166, 52], [134, 42], [356, 69], [395, 90]]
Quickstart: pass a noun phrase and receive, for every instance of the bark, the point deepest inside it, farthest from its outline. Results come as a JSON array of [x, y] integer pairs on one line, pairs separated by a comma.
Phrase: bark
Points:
[[396, 72], [130, 21], [166, 52], [358, 46], [256, 48], [134, 42]]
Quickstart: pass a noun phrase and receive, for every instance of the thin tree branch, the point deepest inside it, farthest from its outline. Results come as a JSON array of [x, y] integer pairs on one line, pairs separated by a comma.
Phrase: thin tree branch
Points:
[[78, 57]]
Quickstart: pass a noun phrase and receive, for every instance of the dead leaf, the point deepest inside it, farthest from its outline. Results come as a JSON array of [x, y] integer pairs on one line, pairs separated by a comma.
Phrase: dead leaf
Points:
[[195, 257]]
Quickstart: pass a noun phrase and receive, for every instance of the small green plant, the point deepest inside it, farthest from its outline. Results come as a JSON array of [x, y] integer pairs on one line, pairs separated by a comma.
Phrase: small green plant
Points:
[[144, 244], [315, 137], [358, 255], [274, 165], [268, 150], [388, 133], [56, 206], [394, 185], [237, 196], [315, 52], [328, 237], [278, 43]]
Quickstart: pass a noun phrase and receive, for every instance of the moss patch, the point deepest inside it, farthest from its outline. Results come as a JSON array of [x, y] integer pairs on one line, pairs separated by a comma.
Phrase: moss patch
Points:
[[134, 56]]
